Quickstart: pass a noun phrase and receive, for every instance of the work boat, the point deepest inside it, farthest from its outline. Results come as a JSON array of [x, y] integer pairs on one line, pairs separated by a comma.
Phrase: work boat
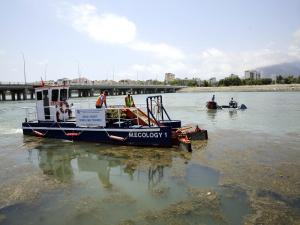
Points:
[[54, 117]]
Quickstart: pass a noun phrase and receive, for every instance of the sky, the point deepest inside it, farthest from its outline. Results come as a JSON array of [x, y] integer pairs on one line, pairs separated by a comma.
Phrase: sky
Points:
[[143, 39]]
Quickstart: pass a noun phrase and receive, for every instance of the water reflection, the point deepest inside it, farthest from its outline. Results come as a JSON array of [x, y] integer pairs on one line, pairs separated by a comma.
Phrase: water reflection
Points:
[[155, 175], [216, 115], [211, 114], [98, 164], [163, 184], [232, 113], [64, 161], [56, 163]]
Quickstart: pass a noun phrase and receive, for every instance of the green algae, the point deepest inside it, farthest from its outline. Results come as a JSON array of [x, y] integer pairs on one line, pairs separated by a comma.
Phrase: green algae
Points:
[[2, 217], [116, 196], [127, 222], [160, 192], [200, 205], [258, 164], [254, 165], [28, 186], [268, 211]]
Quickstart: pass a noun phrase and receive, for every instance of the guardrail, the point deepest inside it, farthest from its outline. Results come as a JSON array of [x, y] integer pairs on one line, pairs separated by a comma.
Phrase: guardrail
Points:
[[94, 84], [15, 83]]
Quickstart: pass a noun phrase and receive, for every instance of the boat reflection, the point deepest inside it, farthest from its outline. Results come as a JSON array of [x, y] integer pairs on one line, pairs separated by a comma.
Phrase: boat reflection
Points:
[[233, 113], [64, 161], [215, 114], [57, 164], [211, 114], [155, 176], [96, 163]]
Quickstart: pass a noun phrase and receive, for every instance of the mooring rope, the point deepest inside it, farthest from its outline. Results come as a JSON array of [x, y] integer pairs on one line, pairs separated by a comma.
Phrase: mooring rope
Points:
[[37, 132], [70, 134]]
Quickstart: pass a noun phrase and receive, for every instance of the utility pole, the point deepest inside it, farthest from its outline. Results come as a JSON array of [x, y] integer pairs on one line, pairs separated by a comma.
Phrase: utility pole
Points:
[[24, 70], [113, 73], [24, 67]]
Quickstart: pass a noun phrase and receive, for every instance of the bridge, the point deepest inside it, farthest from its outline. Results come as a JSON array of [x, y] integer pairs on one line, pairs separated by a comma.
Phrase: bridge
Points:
[[21, 91]]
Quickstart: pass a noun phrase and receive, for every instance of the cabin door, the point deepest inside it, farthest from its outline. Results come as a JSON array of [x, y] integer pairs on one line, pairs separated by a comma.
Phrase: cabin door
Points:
[[40, 106]]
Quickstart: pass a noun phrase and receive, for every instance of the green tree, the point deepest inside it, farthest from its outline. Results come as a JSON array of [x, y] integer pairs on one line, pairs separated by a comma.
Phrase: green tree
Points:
[[266, 81], [192, 83], [205, 83], [279, 79]]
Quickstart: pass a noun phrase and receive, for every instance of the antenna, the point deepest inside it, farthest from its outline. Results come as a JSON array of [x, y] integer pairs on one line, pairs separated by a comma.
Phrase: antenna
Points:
[[78, 71], [113, 73], [45, 71], [24, 67]]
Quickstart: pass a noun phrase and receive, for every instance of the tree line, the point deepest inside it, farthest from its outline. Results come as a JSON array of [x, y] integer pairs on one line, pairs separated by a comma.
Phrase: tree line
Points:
[[236, 81]]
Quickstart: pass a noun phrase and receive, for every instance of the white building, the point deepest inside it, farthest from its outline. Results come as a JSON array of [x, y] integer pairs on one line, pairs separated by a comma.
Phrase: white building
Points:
[[169, 77], [81, 80], [252, 74], [63, 81], [212, 81]]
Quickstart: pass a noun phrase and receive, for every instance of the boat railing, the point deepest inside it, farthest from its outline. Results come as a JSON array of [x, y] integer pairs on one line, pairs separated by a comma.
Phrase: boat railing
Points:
[[116, 114], [120, 110], [30, 113]]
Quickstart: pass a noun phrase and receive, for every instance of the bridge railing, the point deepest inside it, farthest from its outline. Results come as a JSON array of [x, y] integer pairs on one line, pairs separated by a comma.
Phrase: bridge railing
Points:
[[15, 83], [93, 84]]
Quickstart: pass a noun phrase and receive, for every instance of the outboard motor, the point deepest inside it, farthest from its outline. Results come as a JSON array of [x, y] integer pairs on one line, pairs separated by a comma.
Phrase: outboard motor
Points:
[[211, 105], [243, 106]]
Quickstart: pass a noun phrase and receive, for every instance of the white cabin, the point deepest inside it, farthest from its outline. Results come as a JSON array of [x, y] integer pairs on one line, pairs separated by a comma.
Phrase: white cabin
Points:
[[51, 103]]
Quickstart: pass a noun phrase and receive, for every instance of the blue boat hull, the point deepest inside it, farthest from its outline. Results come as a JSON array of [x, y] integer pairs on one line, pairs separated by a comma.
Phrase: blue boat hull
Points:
[[141, 136]]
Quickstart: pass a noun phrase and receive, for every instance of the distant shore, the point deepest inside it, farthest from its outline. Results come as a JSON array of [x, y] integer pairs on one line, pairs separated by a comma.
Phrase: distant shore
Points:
[[246, 88]]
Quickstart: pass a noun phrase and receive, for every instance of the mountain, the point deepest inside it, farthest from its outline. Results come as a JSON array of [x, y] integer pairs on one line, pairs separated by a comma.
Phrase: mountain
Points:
[[284, 69]]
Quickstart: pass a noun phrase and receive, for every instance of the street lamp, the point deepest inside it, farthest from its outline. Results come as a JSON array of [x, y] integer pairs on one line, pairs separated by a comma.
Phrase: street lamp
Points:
[[24, 67]]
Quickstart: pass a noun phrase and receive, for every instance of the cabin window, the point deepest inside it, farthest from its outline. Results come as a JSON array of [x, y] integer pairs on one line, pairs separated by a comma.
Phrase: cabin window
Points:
[[39, 95], [63, 94], [54, 97], [45, 93]]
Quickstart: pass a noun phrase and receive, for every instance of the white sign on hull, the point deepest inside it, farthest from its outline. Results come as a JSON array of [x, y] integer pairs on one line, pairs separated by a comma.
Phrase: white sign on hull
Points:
[[90, 118]]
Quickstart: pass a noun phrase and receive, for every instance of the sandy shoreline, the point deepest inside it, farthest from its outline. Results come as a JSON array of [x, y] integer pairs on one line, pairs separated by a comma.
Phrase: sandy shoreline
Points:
[[252, 88]]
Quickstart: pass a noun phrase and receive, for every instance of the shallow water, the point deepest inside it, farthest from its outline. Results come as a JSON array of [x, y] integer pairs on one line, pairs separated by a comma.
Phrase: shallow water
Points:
[[246, 173]]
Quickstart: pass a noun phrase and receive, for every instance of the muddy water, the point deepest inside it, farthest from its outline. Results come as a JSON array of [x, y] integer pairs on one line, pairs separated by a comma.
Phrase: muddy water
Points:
[[246, 173]]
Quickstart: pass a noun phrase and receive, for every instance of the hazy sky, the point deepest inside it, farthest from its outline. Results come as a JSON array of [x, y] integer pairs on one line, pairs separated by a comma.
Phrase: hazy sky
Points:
[[144, 39]]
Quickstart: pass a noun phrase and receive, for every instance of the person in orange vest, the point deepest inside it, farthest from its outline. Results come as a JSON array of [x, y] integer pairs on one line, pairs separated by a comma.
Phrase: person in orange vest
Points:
[[101, 99], [129, 100]]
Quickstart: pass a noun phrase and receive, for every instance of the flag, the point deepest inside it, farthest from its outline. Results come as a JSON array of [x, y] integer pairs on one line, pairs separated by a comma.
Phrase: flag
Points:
[[42, 82]]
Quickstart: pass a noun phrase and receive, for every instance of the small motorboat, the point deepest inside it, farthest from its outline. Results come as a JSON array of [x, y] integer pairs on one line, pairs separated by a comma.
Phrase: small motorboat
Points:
[[232, 105]]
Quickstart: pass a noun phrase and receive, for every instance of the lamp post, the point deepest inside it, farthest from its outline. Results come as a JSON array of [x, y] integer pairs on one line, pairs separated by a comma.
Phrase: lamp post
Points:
[[24, 67], [24, 70]]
